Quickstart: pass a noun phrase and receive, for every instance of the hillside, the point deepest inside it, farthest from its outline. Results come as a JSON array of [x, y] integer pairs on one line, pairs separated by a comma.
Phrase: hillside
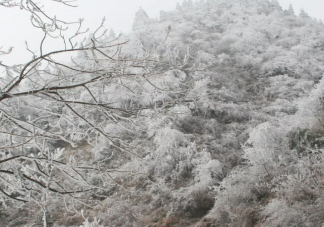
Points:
[[232, 134]]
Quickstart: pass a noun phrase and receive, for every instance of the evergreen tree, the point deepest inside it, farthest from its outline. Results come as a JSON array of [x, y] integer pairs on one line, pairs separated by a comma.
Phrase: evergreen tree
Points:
[[112, 34], [141, 20], [303, 14], [275, 5], [290, 10]]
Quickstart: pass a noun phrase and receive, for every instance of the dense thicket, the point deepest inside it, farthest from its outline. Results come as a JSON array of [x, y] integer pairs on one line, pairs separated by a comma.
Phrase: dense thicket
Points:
[[233, 135]]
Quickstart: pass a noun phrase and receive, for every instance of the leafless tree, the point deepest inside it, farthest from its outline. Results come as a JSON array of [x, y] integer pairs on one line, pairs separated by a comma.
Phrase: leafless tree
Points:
[[47, 101]]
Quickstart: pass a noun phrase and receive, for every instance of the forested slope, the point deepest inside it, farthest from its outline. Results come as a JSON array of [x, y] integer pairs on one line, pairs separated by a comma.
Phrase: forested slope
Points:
[[233, 135]]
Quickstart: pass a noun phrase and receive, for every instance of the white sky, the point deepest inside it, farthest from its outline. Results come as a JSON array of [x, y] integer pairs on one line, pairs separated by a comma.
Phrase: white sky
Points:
[[15, 26]]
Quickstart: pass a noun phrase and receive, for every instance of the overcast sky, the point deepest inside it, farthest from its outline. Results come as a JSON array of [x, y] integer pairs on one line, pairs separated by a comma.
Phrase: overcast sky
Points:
[[15, 26]]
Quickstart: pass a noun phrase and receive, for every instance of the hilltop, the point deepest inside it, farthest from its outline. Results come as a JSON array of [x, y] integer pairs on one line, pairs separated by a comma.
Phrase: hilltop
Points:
[[234, 133]]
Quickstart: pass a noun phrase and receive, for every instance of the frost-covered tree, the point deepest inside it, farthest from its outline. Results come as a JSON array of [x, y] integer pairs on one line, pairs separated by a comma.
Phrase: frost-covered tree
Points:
[[112, 34], [276, 5], [303, 14], [229, 131], [141, 20], [290, 10], [53, 112]]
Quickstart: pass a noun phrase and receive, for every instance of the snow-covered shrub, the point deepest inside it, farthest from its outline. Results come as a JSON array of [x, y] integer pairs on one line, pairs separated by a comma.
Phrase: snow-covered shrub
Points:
[[94, 223], [279, 213]]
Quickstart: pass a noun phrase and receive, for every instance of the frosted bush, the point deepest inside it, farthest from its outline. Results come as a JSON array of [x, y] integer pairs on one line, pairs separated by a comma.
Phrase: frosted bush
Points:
[[206, 169], [94, 223], [278, 213]]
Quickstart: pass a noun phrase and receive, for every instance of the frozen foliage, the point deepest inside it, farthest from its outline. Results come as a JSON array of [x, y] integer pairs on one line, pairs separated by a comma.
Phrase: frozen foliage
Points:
[[281, 214], [87, 223], [229, 132], [284, 159]]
